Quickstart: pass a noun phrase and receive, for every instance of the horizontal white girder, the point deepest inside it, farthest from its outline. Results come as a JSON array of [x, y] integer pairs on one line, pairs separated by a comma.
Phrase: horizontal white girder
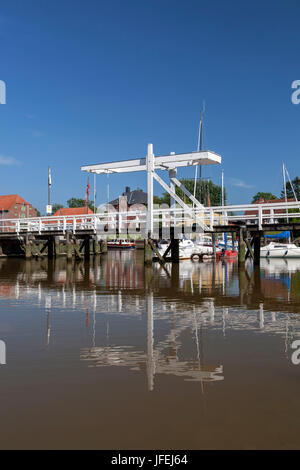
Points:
[[164, 162]]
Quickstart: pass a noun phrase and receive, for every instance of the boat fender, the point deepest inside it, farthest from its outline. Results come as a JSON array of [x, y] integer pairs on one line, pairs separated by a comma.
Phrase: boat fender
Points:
[[286, 253], [268, 253]]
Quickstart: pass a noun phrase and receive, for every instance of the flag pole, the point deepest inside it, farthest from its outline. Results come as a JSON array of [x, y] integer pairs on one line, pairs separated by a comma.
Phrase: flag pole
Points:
[[49, 188], [94, 193], [49, 185]]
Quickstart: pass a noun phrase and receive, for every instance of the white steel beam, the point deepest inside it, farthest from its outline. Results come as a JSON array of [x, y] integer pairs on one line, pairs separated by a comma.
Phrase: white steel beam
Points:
[[164, 162]]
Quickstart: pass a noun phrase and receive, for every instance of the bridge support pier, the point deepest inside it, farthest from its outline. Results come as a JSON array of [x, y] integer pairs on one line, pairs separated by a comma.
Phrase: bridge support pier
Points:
[[28, 252], [242, 249], [51, 248], [57, 247], [69, 247], [175, 250], [96, 246], [103, 247], [148, 254], [87, 248], [257, 249], [213, 238]]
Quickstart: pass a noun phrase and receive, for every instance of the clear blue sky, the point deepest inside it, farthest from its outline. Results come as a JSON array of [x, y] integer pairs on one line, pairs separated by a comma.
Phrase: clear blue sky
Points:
[[90, 81]]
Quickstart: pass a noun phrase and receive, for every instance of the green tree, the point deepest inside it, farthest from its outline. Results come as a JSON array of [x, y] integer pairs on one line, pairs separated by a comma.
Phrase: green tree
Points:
[[289, 191], [76, 202], [210, 193], [56, 207], [265, 196], [38, 214]]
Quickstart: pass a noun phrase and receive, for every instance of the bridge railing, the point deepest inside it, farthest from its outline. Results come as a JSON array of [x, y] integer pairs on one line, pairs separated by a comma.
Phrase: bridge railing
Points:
[[134, 221]]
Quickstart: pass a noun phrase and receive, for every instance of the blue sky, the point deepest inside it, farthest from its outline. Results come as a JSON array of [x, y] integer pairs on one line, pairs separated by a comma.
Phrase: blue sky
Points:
[[93, 81]]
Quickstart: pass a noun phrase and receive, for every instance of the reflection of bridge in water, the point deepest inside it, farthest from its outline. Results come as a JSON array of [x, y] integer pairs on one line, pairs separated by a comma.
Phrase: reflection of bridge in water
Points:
[[191, 298]]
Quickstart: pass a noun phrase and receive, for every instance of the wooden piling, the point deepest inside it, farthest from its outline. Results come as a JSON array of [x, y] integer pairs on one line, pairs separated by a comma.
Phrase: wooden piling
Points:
[[28, 252], [87, 248], [148, 253], [69, 248], [213, 238], [103, 247], [57, 247], [96, 246], [242, 249], [51, 248], [257, 249], [175, 250]]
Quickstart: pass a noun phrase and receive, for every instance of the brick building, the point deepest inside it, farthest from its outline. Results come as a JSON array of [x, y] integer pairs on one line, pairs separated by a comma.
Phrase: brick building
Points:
[[15, 207]]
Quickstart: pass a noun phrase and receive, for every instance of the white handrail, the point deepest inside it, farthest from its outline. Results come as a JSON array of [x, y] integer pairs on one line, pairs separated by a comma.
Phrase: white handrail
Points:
[[261, 214]]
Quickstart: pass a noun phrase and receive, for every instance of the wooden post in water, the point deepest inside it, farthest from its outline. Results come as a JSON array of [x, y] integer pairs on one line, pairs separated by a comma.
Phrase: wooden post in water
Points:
[[51, 248], [175, 250], [257, 249], [213, 238], [174, 246], [96, 246], [28, 253], [148, 253], [103, 247], [242, 249], [69, 248], [87, 250], [57, 247]]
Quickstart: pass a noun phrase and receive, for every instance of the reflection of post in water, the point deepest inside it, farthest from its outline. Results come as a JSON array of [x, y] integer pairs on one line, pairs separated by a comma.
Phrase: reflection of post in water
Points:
[[48, 310], [261, 316], [242, 282], [213, 278], [148, 273], [175, 276], [150, 342], [50, 270], [199, 345], [28, 269], [256, 283], [69, 273], [87, 271]]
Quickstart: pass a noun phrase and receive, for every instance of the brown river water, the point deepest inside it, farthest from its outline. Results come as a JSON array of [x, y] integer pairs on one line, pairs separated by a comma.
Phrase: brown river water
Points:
[[110, 355]]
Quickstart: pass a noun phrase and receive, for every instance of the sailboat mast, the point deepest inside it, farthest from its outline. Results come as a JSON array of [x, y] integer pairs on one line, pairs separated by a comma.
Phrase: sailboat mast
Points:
[[222, 195], [200, 149], [284, 185]]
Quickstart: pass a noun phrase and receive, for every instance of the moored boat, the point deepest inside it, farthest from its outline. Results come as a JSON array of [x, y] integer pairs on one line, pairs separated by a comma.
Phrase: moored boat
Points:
[[280, 250], [226, 254], [124, 244]]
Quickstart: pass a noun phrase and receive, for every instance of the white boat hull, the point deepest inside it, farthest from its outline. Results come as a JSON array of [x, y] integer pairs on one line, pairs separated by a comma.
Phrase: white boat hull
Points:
[[275, 250]]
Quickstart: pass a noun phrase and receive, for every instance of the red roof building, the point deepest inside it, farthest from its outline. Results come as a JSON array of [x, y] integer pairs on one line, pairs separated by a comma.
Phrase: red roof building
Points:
[[73, 211], [15, 207], [276, 214]]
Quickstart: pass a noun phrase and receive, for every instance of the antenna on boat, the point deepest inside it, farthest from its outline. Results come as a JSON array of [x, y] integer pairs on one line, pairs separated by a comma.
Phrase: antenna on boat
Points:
[[284, 185]]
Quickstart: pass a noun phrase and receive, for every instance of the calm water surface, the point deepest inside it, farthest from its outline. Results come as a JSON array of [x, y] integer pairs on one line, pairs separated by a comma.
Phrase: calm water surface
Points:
[[111, 355]]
